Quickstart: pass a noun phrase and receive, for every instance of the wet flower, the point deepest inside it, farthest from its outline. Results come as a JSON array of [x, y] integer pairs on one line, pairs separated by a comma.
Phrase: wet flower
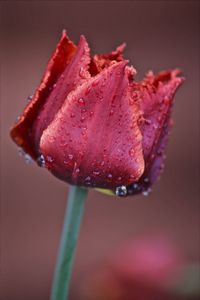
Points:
[[91, 124]]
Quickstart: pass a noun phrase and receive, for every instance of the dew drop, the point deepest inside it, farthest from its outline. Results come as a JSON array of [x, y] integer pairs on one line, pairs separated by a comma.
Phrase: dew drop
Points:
[[111, 112], [136, 188], [20, 151], [132, 152], [82, 73], [25, 155], [135, 185], [70, 156], [146, 192], [81, 101], [159, 152], [63, 142], [41, 161], [72, 115], [131, 101], [95, 83], [96, 173], [104, 83], [49, 158], [146, 180], [88, 90], [121, 191], [166, 100], [147, 121], [132, 177], [77, 170], [88, 180], [159, 119], [27, 158], [51, 139]]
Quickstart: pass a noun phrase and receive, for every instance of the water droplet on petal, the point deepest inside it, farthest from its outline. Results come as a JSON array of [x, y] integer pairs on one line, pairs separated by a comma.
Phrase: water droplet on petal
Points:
[[25, 155], [146, 180], [132, 177], [82, 72], [111, 112], [88, 90], [81, 101], [95, 83], [49, 158], [70, 156], [132, 152], [146, 192], [27, 158], [77, 171], [20, 151], [166, 100], [121, 191], [52, 139], [131, 101], [96, 173], [72, 115], [29, 98], [41, 161], [63, 141], [147, 121], [88, 180]]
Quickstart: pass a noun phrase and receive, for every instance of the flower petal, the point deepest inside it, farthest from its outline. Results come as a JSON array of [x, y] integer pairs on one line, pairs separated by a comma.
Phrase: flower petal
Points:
[[73, 75], [94, 140], [61, 57], [157, 93]]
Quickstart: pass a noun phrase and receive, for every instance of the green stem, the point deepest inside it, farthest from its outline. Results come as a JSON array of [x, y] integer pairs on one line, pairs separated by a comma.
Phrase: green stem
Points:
[[72, 220]]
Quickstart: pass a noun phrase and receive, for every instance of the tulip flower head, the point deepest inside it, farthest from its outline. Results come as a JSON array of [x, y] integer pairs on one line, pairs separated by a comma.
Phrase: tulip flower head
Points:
[[91, 124]]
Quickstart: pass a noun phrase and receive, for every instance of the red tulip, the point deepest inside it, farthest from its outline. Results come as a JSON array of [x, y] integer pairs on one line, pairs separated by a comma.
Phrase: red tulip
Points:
[[92, 125]]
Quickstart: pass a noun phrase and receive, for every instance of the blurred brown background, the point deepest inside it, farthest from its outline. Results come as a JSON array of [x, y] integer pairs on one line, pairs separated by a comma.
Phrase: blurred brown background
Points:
[[159, 35]]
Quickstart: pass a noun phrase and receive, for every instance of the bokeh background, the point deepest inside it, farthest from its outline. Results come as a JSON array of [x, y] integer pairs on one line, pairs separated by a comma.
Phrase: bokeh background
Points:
[[159, 35]]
